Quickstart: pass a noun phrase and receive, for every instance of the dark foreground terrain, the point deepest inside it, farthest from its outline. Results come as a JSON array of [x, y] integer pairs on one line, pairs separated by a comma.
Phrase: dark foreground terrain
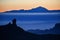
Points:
[[13, 32]]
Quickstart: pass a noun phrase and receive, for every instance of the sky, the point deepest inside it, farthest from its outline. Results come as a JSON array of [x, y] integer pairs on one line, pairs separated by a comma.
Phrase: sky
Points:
[[6, 5]]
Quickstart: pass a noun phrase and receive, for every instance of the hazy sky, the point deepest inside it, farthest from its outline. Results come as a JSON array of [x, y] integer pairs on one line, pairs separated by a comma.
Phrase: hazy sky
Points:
[[28, 4]]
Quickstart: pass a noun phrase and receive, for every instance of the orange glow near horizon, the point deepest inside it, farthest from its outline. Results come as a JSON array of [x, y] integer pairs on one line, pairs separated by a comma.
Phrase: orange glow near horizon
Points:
[[6, 5]]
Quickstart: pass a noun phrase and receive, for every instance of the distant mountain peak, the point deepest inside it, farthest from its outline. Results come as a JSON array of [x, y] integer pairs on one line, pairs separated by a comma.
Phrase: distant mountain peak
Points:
[[33, 10], [40, 7]]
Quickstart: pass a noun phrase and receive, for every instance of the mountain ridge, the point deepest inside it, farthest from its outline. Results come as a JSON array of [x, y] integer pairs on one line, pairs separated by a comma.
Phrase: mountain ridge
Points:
[[33, 10]]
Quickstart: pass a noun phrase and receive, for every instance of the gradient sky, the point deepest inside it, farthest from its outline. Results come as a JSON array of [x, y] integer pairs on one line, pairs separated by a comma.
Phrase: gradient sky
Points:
[[6, 5]]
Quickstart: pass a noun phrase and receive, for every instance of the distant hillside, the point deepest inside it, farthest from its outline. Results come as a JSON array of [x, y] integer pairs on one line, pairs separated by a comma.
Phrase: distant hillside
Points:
[[13, 32], [54, 30], [33, 10]]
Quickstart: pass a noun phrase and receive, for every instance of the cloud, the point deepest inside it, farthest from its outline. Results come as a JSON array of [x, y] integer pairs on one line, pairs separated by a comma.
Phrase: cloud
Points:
[[30, 14]]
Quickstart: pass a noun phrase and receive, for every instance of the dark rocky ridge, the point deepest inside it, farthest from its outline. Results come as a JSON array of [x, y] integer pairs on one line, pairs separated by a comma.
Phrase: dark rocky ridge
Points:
[[13, 32]]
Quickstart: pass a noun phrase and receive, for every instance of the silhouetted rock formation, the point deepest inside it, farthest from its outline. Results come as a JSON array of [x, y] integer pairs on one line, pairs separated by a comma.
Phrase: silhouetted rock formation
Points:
[[12, 26], [13, 32], [14, 21], [57, 26], [54, 30], [33, 10]]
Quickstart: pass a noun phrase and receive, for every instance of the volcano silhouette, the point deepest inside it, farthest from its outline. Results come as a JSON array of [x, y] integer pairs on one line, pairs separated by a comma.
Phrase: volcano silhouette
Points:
[[33, 10], [11, 31]]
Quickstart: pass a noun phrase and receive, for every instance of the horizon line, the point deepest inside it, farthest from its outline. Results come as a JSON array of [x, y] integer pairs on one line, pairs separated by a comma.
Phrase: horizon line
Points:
[[29, 9]]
